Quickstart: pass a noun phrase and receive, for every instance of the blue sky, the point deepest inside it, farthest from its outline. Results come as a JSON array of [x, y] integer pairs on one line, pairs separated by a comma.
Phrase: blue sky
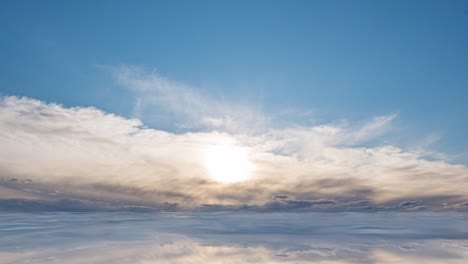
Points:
[[301, 105], [338, 59]]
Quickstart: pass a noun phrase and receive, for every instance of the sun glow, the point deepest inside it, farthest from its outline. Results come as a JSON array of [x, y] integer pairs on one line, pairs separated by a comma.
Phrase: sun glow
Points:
[[227, 163]]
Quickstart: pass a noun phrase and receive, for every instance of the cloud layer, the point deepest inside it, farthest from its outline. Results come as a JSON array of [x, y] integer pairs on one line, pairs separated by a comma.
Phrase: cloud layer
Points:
[[53, 154]]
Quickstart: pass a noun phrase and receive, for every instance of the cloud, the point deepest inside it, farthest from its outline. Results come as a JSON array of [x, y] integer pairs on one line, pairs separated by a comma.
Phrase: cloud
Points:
[[161, 100], [85, 154], [71, 205], [165, 101]]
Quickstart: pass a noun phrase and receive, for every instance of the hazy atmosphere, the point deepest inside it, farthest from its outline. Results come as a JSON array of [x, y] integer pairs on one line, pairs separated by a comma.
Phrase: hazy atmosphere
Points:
[[233, 132]]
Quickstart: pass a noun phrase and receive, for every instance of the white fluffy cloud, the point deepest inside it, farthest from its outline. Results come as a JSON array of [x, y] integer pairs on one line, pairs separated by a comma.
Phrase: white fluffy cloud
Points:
[[87, 153]]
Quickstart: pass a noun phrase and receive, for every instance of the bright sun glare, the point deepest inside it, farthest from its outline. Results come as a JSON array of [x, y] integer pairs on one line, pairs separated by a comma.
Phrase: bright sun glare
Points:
[[227, 164]]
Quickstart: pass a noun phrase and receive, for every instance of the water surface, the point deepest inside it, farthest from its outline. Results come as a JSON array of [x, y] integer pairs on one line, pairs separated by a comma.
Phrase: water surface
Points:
[[227, 237]]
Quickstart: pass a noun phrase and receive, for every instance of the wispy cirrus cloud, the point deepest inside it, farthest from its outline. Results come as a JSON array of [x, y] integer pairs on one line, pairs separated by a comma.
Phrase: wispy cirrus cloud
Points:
[[164, 100], [158, 97]]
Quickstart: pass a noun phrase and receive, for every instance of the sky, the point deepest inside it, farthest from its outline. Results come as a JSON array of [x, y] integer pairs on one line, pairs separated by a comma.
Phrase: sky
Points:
[[318, 105]]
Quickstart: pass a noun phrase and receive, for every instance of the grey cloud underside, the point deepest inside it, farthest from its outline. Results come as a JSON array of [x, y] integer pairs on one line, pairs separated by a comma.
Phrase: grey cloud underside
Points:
[[102, 198]]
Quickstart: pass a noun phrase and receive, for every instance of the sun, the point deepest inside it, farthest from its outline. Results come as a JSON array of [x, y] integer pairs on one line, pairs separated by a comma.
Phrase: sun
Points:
[[227, 163]]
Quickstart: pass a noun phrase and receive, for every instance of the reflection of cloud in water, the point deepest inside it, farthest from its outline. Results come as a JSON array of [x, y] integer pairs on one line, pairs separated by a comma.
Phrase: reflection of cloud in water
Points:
[[233, 238]]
